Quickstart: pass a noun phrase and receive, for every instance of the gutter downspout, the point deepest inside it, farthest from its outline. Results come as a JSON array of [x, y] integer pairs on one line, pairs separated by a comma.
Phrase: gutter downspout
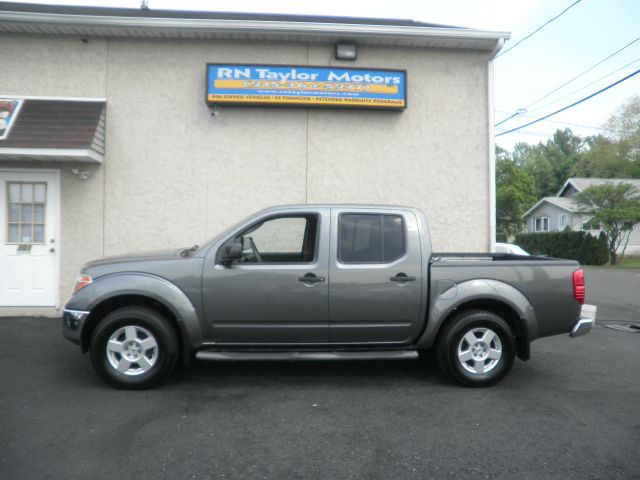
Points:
[[492, 146]]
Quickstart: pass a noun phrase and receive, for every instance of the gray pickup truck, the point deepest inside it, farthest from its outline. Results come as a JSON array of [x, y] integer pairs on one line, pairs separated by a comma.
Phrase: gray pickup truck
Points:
[[321, 282]]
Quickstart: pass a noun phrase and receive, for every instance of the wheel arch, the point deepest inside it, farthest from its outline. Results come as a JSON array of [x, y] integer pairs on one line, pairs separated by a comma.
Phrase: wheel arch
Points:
[[123, 290], [490, 295]]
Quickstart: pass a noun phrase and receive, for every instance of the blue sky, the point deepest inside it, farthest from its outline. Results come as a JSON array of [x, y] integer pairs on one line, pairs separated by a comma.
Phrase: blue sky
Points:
[[586, 34], [583, 36]]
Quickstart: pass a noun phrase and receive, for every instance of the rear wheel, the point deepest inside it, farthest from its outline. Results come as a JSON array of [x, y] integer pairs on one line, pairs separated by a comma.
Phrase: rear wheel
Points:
[[134, 348], [476, 348]]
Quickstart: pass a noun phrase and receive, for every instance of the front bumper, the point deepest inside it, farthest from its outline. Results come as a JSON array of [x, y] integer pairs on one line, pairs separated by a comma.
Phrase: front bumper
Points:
[[72, 324], [587, 321]]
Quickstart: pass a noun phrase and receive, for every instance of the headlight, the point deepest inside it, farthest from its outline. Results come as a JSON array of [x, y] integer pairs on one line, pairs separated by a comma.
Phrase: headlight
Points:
[[82, 281]]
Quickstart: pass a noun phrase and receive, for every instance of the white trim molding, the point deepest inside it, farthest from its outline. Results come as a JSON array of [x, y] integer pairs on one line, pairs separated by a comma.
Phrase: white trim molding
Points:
[[51, 154], [61, 99], [492, 154], [112, 22]]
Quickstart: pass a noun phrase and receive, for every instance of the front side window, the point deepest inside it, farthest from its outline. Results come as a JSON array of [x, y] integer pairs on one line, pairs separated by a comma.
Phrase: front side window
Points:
[[370, 238], [288, 239]]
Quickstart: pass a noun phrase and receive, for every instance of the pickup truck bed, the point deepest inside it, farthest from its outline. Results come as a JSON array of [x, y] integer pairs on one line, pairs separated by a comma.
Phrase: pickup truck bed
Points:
[[541, 282]]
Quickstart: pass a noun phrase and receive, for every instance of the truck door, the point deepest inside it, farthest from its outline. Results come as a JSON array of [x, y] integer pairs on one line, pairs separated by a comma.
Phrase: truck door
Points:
[[277, 292], [375, 274]]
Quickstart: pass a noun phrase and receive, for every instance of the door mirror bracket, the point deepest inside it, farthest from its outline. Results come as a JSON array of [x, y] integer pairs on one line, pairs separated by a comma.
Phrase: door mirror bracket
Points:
[[231, 252]]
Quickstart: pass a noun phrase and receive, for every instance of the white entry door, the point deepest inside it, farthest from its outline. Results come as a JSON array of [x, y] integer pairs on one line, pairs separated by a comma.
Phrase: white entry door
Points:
[[28, 238]]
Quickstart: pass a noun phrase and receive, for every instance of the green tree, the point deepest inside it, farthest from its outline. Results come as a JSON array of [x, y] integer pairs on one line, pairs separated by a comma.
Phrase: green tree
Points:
[[515, 193], [625, 127], [539, 166], [616, 211], [567, 142], [616, 155], [550, 163], [605, 159]]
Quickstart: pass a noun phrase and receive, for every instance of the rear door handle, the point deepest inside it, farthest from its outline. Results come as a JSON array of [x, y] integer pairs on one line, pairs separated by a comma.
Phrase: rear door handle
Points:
[[403, 277], [310, 278]]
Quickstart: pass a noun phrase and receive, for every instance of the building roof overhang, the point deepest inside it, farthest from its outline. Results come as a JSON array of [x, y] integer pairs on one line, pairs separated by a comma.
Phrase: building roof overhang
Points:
[[570, 206], [56, 129], [118, 22]]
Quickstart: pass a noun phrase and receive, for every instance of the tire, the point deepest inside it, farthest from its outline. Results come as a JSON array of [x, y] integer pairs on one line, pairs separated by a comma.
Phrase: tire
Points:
[[476, 348], [134, 348]]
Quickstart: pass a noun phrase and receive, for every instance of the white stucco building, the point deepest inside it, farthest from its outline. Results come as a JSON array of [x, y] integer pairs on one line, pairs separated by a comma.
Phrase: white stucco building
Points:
[[113, 149]]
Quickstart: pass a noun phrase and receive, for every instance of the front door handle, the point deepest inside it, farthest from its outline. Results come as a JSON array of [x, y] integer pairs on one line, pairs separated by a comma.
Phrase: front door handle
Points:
[[310, 278], [403, 277]]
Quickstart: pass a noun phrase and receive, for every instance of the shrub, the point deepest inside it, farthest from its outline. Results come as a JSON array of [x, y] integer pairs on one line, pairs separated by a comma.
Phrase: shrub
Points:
[[580, 246]]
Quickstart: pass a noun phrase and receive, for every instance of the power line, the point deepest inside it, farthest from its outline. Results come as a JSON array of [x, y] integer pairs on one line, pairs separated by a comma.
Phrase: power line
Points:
[[568, 123], [572, 105], [585, 86], [581, 74], [539, 28], [522, 111]]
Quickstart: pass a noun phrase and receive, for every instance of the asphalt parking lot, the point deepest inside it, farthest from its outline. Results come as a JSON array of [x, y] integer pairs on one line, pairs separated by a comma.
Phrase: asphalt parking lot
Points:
[[570, 412]]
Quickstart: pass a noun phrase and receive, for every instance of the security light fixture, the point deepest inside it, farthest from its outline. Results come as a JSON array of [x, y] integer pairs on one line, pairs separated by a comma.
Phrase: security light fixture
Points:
[[346, 51], [83, 175]]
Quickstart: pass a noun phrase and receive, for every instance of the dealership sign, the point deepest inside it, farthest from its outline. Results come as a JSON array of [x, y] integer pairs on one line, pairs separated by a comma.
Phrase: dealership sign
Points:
[[9, 109], [299, 86]]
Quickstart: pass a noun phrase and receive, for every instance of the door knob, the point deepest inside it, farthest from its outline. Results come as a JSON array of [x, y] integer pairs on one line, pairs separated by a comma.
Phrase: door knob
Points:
[[52, 249]]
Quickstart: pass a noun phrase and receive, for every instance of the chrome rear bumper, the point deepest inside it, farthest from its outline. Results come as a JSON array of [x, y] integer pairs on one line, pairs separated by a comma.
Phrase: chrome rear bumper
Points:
[[587, 321]]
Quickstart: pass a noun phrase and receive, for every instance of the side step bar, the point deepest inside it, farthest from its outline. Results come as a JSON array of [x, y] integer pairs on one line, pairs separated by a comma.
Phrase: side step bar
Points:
[[280, 356]]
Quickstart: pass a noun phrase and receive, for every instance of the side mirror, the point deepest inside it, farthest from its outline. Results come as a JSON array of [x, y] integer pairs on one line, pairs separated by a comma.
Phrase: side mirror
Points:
[[232, 252]]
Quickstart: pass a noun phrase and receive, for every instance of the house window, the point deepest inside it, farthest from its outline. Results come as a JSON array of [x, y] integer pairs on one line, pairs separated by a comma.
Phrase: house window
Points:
[[541, 224], [563, 221]]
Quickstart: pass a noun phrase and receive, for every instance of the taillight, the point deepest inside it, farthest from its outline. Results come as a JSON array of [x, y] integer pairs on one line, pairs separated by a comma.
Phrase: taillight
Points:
[[578, 286], [82, 281]]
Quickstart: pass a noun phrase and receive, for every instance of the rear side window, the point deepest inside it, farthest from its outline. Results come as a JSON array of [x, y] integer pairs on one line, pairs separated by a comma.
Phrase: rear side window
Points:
[[370, 238]]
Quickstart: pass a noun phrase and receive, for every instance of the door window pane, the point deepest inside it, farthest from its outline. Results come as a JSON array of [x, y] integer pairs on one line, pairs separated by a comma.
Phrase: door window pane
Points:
[[38, 233], [281, 235], [370, 238], [14, 192], [360, 238], [14, 212], [393, 237], [39, 191], [26, 207], [27, 193], [281, 240], [27, 216], [38, 213], [14, 233], [25, 233]]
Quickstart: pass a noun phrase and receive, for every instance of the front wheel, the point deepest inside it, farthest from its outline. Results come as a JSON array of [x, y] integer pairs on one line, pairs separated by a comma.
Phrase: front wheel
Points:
[[134, 348], [476, 348]]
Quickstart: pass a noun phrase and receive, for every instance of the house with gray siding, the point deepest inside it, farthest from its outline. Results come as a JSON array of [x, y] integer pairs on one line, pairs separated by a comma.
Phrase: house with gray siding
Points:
[[555, 214]]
